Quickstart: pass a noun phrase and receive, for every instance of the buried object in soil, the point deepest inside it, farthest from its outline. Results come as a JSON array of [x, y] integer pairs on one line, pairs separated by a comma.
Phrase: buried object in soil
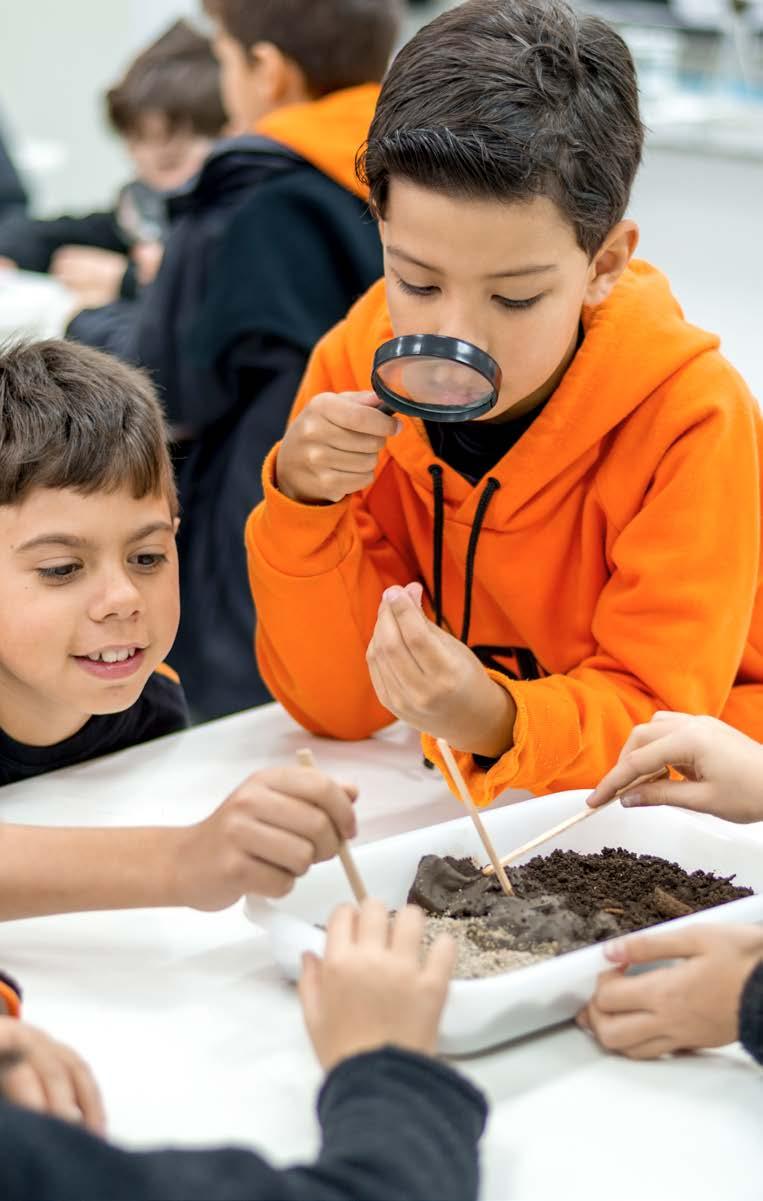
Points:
[[561, 902]]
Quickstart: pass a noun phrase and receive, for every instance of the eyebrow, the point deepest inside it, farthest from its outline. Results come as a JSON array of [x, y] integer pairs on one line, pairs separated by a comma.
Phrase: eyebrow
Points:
[[535, 269], [55, 539]]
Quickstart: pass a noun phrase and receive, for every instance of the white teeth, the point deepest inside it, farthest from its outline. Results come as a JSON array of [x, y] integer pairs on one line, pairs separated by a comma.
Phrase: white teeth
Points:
[[113, 656]]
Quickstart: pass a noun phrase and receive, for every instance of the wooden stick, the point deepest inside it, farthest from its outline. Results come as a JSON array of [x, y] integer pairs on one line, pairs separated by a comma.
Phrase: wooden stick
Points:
[[473, 812], [305, 759], [572, 821]]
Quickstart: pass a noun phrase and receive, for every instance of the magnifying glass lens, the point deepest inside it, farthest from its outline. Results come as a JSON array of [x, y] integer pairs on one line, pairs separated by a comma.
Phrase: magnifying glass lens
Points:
[[436, 378], [428, 381]]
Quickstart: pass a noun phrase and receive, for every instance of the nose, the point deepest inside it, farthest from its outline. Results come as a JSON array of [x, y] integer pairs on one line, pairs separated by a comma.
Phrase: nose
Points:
[[458, 322], [117, 597]]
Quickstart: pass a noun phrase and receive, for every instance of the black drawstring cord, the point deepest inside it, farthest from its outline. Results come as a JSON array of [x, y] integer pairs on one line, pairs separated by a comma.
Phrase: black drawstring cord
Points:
[[491, 487], [435, 471]]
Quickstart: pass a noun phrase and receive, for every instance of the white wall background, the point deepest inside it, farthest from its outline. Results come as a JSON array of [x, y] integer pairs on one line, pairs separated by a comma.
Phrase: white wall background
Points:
[[57, 57]]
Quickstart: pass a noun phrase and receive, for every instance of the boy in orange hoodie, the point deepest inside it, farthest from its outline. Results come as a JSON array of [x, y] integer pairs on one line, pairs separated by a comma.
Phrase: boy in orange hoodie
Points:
[[589, 550]]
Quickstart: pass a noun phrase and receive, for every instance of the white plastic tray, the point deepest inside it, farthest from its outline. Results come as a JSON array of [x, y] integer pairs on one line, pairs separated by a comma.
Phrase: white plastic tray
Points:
[[483, 1013]]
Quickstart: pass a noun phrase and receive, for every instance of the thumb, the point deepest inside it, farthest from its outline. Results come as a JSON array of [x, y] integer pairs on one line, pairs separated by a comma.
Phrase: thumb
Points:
[[650, 948]]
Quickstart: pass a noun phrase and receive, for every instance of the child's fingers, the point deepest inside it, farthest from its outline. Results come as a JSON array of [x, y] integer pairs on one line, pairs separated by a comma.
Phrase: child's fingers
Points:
[[390, 646], [416, 632], [309, 988], [373, 924], [341, 930], [60, 1091], [441, 961], [88, 1096], [647, 948], [406, 932], [663, 751], [21, 1085], [621, 1031], [681, 794]]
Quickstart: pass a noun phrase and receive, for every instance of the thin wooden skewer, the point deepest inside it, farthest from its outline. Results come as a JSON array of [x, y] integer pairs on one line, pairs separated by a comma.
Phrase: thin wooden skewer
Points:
[[305, 759], [473, 812], [572, 821]]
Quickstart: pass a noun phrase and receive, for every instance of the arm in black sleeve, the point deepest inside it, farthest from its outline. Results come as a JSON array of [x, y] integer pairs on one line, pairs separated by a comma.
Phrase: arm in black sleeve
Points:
[[396, 1127], [751, 1015], [111, 328], [32, 243]]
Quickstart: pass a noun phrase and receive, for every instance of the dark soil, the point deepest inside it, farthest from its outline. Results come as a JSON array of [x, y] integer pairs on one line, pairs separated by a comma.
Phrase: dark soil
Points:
[[565, 899]]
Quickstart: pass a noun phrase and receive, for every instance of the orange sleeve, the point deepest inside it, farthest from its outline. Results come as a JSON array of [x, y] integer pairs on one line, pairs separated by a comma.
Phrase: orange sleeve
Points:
[[10, 1001], [671, 624], [317, 573]]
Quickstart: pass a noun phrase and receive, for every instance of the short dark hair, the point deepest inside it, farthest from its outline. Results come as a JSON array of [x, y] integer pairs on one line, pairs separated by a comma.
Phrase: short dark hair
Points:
[[510, 99], [335, 43], [72, 417], [177, 76]]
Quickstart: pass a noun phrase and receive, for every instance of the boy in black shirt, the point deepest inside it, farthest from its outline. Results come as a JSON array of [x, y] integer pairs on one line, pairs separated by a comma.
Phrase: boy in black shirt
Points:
[[88, 612]]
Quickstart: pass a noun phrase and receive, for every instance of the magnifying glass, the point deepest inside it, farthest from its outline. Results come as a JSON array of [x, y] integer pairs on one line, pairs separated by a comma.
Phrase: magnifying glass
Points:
[[435, 378]]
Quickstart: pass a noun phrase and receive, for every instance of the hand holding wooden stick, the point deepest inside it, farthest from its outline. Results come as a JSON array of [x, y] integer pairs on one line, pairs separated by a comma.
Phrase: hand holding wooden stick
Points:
[[570, 821], [473, 812], [305, 759]]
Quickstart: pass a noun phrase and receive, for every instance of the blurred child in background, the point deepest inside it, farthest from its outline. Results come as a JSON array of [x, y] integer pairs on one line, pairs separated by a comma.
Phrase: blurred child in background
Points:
[[167, 110]]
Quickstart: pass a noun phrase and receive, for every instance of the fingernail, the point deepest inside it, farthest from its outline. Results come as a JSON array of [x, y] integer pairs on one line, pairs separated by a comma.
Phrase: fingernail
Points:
[[615, 952], [630, 799], [394, 593]]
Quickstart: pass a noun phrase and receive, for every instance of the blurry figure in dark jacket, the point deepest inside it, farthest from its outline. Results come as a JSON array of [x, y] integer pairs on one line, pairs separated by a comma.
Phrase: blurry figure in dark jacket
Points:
[[168, 110], [265, 254]]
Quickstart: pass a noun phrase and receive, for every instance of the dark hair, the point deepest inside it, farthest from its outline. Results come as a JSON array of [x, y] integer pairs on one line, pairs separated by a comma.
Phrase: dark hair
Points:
[[510, 99], [335, 43], [177, 76], [72, 417]]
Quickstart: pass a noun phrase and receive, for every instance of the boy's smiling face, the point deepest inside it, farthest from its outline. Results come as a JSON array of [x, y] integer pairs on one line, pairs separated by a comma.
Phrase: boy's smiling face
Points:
[[508, 277], [89, 606]]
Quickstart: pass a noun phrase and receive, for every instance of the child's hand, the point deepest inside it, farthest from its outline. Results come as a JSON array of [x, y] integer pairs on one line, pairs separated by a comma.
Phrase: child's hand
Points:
[[372, 987], [722, 768], [693, 1004], [94, 275], [269, 832], [428, 678], [44, 1075], [332, 448]]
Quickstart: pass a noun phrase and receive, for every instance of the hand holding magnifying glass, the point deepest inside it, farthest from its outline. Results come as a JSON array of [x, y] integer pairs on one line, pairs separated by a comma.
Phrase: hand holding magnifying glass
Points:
[[332, 449]]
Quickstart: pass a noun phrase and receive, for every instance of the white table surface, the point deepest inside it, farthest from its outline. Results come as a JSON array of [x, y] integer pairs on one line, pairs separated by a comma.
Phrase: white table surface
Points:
[[196, 1039]]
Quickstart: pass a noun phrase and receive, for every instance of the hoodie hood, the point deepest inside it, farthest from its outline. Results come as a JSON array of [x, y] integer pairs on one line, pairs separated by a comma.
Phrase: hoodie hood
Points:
[[328, 132]]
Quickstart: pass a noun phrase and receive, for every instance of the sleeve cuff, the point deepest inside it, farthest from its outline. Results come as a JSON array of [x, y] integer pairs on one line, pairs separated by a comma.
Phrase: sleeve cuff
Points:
[[294, 538], [546, 738], [10, 997], [751, 1014]]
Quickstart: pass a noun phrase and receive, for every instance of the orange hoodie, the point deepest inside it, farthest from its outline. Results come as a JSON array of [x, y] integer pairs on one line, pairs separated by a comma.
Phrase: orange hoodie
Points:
[[327, 132], [622, 548]]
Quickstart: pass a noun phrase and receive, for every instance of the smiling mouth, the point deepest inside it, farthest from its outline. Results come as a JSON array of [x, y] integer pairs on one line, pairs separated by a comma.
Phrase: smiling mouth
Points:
[[114, 655], [113, 662]]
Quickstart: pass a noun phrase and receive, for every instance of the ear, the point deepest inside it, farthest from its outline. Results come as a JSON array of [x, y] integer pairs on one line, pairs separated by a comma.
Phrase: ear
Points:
[[278, 79], [610, 260]]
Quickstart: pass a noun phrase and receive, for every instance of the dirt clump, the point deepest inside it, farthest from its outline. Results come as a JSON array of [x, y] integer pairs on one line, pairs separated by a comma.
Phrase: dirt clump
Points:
[[561, 901]]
